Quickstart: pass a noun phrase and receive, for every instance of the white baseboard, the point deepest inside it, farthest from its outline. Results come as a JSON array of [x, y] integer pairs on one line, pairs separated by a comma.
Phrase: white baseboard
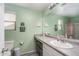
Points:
[[28, 53]]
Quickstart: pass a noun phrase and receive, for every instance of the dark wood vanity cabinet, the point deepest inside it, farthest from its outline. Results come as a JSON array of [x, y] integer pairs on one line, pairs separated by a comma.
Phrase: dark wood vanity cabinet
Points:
[[39, 47]]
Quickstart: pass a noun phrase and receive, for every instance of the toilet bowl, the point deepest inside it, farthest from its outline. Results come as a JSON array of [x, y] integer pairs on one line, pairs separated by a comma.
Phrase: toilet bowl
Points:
[[7, 53], [8, 47]]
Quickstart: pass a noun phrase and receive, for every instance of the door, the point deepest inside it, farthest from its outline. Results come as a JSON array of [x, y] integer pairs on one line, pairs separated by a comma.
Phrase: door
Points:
[[1, 27]]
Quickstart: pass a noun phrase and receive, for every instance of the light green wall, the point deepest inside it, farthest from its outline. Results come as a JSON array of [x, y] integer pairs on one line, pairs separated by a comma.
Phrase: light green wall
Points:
[[74, 19], [30, 18]]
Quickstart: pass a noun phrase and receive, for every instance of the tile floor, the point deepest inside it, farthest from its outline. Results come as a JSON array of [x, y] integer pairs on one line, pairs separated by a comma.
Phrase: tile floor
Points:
[[33, 54]]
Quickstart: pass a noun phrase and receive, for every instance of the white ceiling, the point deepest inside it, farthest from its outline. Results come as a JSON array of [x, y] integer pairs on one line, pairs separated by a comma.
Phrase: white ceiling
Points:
[[70, 9], [34, 6]]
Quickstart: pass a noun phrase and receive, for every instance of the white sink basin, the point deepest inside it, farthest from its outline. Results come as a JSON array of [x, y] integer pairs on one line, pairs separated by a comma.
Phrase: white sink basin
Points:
[[61, 44]]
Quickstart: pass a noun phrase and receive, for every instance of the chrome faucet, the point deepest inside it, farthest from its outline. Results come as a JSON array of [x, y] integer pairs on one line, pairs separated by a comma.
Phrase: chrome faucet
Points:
[[59, 38]]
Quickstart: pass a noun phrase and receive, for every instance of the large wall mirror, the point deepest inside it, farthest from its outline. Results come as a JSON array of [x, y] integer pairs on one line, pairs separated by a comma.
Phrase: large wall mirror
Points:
[[57, 22]]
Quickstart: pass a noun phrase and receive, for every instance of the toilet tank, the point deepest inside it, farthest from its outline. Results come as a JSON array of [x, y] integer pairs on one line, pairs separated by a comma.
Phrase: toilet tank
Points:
[[9, 44]]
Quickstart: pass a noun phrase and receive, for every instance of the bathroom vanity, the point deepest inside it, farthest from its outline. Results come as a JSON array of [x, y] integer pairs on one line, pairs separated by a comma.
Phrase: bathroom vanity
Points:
[[39, 47], [45, 48]]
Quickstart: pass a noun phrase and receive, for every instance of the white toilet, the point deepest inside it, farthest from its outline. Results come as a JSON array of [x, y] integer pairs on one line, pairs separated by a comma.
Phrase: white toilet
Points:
[[8, 47]]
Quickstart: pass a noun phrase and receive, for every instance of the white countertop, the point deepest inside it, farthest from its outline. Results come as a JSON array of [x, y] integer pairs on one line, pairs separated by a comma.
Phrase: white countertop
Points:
[[66, 51]]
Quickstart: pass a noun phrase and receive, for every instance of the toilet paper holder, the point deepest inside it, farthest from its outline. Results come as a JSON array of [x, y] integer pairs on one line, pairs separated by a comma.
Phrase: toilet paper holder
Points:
[[21, 43]]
